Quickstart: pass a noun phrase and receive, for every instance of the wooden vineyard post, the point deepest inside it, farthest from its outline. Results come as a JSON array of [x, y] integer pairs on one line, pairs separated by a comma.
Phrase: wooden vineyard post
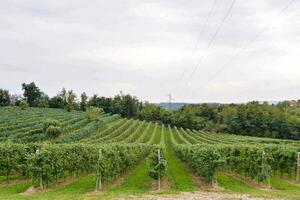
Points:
[[158, 161], [264, 168], [37, 153], [298, 168], [41, 182], [98, 175]]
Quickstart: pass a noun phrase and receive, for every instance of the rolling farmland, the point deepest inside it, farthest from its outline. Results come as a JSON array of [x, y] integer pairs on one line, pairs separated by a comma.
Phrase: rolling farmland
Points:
[[93, 155]]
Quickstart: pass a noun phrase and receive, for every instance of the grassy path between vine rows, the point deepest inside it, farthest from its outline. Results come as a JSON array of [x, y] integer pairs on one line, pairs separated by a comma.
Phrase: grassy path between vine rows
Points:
[[279, 188], [136, 182], [73, 190], [157, 135], [180, 177]]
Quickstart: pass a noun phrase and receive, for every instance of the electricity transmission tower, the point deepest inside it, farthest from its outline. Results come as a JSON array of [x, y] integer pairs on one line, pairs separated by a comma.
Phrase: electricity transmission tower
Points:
[[170, 101]]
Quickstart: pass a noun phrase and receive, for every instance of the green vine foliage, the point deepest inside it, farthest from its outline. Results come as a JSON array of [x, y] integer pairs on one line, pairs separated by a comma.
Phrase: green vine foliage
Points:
[[50, 163], [203, 160], [249, 161], [253, 162], [157, 168]]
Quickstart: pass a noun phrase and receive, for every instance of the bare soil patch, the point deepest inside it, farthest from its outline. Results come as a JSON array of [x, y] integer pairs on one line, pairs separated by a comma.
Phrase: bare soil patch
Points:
[[164, 184]]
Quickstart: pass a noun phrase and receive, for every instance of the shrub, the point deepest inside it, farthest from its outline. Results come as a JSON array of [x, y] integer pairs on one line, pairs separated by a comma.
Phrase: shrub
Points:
[[52, 128], [23, 105], [53, 131], [93, 113]]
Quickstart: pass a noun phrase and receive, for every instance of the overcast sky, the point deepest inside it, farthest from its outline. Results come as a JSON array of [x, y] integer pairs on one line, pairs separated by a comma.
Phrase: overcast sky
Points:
[[198, 50]]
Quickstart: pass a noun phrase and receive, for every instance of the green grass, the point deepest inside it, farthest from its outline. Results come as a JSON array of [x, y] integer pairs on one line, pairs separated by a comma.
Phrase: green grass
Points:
[[74, 190], [280, 188], [231, 184], [177, 173], [283, 188], [157, 135], [137, 180], [12, 191]]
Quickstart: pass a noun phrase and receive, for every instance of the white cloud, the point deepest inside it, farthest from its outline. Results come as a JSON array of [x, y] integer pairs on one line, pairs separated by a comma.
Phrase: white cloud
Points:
[[143, 47]]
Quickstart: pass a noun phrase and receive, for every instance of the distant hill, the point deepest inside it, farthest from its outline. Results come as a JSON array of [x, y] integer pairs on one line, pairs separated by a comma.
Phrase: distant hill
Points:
[[178, 105], [174, 106]]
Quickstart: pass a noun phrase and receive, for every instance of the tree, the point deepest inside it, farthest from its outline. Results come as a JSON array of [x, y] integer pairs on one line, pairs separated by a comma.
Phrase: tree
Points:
[[83, 101], [70, 99], [56, 102], [152, 112], [63, 95], [4, 97], [130, 105], [23, 105], [126, 105], [93, 101], [31, 93], [15, 99], [227, 114], [43, 101]]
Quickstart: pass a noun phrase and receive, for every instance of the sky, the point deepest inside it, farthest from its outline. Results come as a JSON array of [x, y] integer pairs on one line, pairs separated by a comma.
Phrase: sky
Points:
[[196, 50]]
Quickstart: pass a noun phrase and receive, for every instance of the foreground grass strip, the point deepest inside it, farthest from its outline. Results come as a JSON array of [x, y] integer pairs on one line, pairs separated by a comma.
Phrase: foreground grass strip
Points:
[[285, 189], [180, 177], [13, 191], [280, 188], [138, 180], [74, 190], [230, 184]]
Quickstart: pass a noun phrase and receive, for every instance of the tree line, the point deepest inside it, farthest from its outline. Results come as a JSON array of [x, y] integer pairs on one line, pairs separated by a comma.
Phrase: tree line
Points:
[[253, 118]]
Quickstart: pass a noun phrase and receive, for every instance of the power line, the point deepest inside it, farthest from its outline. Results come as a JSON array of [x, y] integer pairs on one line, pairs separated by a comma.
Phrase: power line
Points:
[[250, 42], [265, 28], [210, 42], [210, 14], [170, 101]]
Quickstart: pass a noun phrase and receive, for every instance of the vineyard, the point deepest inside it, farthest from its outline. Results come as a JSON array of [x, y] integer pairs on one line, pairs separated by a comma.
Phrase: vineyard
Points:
[[89, 156]]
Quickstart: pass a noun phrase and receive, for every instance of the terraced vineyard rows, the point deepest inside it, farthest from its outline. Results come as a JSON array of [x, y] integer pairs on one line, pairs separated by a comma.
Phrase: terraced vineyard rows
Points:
[[112, 145]]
